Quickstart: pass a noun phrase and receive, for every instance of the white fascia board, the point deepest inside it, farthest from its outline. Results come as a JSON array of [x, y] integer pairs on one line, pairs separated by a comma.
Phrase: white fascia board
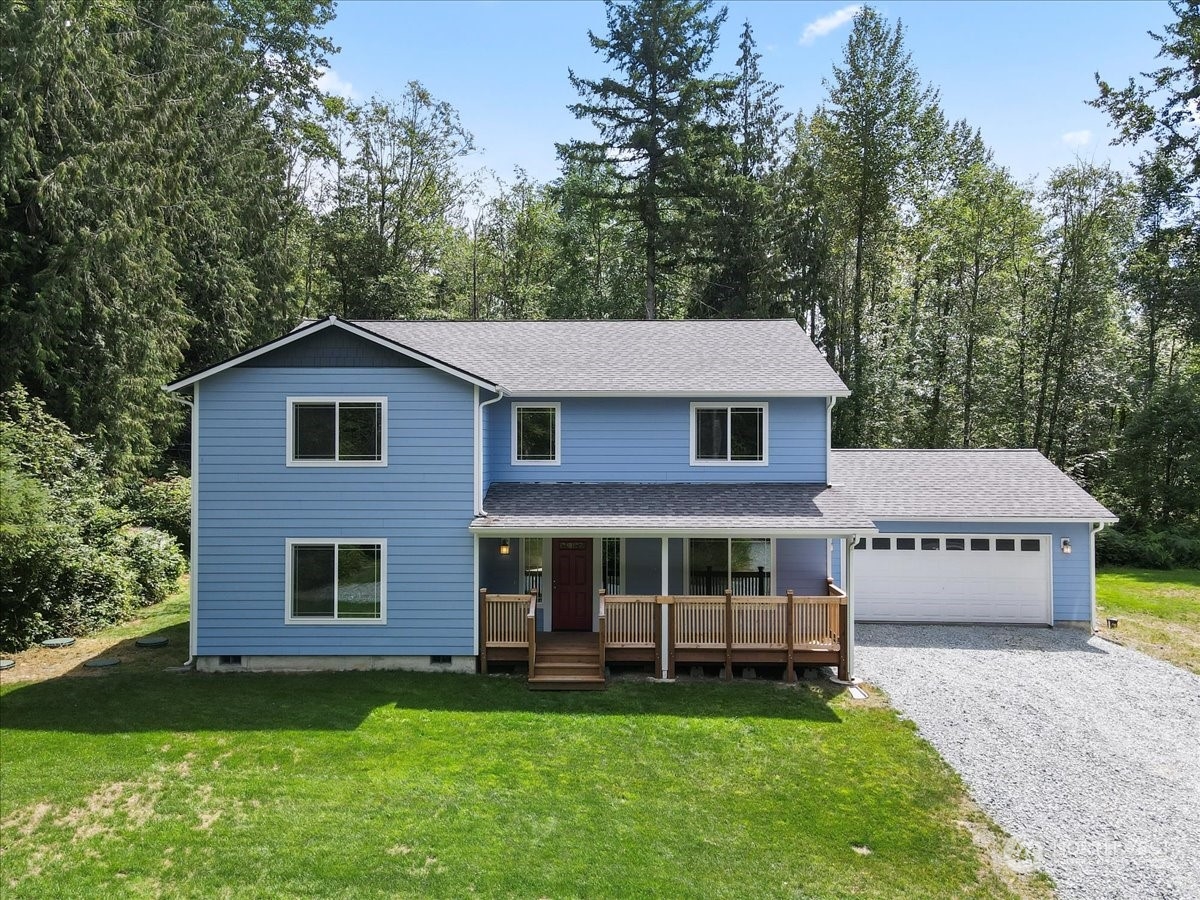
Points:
[[618, 531], [321, 325], [740, 394], [1000, 520]]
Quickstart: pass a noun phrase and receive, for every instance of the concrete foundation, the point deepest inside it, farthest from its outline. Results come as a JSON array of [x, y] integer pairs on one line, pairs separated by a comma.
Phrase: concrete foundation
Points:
[[333, 664]]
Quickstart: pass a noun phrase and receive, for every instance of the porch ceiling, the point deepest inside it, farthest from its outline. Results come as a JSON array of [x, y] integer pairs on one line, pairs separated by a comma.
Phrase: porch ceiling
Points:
[[764, 509]]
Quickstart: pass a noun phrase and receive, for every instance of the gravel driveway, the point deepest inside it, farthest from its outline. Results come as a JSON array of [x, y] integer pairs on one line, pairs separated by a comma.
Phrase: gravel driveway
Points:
[[1086, 752]]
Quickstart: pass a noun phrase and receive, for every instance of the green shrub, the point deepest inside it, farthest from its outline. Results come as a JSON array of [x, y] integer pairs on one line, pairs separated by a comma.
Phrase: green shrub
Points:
[[69, 561], [55, 584], [1167, 549], [156, 561], [166, 504]]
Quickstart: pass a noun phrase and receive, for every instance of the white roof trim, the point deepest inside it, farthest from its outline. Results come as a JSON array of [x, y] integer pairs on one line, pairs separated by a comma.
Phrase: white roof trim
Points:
[[321, 325], [618, 531], [988, 520], [738, 394]]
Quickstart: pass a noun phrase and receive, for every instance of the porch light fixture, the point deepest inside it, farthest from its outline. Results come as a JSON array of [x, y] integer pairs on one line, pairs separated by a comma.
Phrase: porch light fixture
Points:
[[505, 549], [1066, 546]]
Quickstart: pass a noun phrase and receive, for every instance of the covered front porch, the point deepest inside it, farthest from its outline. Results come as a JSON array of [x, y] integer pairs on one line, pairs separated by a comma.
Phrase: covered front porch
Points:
[[663, 631], [568, 592]]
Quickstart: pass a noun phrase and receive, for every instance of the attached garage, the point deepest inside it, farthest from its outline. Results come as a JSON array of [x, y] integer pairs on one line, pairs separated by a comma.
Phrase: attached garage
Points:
[[944, 577], [990, 536]]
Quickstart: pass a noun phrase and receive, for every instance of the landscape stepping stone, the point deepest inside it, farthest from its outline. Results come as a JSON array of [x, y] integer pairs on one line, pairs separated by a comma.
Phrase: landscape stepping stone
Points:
[[151, 642], [55, 643], [102, 662], [6, 664]]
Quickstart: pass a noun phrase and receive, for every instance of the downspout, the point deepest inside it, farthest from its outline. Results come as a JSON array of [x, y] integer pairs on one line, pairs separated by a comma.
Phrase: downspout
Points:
[[193, 557], [479, 510], [829, 401], [1094, 529]]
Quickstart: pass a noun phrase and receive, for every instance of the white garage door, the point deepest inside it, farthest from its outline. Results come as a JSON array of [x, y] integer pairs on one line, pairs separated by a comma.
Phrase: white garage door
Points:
[[953, 578]]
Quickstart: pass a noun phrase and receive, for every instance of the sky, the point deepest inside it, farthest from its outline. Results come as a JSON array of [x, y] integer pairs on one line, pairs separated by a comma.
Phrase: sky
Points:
[[1021, 72]]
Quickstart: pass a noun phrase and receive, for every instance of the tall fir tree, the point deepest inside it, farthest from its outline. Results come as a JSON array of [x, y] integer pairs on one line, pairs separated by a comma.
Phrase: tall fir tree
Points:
[[746, 278], [657, 123], [878, 128]]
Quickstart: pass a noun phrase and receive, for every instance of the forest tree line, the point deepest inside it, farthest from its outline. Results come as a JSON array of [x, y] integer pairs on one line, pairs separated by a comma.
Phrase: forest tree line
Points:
[[177, 188]]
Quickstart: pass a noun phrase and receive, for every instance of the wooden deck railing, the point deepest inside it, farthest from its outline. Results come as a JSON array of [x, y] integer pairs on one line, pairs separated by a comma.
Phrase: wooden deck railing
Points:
[[507, 627], [701, 629], [728, 629]]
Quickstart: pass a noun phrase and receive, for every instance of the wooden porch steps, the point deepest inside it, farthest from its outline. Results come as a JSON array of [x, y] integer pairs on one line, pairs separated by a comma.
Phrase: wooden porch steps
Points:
[[567, 662]]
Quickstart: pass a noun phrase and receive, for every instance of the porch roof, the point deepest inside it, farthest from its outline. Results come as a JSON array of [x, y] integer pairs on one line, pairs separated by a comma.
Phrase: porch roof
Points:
[[621, 508]]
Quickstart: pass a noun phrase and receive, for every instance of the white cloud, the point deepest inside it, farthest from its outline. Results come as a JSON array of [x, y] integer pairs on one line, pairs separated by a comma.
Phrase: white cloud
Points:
[[1077, 138], [330, 82], [835, 20]]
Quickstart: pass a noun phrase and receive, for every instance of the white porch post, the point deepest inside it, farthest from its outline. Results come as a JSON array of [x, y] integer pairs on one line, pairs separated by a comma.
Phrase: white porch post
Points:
[[475, 593], [848, 587], [665, 589]]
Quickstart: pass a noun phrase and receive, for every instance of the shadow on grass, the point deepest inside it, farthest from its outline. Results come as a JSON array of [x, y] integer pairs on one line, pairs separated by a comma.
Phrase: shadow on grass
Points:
[[341, 701]]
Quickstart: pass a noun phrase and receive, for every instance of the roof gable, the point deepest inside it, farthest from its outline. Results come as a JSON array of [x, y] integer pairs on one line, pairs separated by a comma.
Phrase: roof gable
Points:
[[311, 329]]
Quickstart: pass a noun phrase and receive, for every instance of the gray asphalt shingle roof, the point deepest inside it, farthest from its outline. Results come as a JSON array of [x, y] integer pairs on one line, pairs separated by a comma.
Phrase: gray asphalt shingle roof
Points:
[[755, 507], [747, 357], [961, 484]]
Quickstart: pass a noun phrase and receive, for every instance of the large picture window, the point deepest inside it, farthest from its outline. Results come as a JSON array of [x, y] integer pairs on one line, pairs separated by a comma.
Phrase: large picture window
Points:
[[336, 581], [337, 431], [729, 434], [741, 565], [536, 434]]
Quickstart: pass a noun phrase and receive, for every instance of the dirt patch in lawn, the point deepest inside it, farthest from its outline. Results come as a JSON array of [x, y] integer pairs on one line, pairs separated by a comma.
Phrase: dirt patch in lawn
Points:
[[41, 663], [1004, 856]]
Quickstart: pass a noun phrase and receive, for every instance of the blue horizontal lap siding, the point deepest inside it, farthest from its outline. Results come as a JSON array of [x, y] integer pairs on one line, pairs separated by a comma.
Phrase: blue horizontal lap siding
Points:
[[1071, 576], [647, 440], [251, 502]]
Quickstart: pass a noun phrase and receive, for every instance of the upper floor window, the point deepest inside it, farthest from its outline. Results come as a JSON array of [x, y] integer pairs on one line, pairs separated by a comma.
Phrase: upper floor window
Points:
[[336, 581], [337, 431], [536, 434], [724, 434]]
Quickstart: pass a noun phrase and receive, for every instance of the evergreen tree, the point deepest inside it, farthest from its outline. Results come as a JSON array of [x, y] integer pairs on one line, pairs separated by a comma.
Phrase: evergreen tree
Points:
[[878, 128], [656, 122], [747, 234]]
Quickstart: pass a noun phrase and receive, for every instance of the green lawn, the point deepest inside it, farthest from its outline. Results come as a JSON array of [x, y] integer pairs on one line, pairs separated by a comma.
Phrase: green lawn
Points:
[[1159, 611], [393, 784]]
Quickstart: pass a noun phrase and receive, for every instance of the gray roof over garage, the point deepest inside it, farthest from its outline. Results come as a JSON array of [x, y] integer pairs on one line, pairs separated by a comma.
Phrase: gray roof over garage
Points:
[[973, 485]]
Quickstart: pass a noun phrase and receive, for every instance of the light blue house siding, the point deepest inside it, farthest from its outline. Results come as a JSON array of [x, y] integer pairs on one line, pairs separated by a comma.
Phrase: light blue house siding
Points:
[[647, 440], [251, 502], [1071, 576]]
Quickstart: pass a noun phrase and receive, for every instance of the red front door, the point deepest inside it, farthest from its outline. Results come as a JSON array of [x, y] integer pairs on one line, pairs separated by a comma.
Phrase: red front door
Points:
[[571, 600]]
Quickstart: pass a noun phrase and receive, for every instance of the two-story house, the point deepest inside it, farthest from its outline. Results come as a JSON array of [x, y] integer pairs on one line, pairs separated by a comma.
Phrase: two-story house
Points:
[[442, 494]]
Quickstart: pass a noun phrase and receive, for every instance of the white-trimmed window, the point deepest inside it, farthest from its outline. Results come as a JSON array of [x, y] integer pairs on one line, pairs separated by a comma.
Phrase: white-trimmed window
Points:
[[337, 431], [339, 581], [744, 566], [729, 434], [536, 430]]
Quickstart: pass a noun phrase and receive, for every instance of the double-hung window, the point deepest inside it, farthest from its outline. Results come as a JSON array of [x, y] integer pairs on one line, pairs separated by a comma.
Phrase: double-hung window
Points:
[[337, 431], [338, 581], [729, 434], [536, 434]]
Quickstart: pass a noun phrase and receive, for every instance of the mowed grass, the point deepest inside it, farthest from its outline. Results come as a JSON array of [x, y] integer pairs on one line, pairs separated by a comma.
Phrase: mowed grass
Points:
[[394, 784], [1159, 611]]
